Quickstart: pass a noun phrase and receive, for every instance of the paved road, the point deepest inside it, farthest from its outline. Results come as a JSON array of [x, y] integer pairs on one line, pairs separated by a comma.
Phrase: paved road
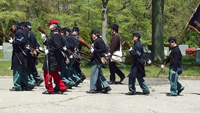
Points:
[[78, 101]]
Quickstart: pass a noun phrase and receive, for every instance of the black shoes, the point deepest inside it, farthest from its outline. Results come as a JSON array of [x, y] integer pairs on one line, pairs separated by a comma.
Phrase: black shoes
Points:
[[68, 85], [92, 91], [83, 77], [146, 93], [39, 82], [134, 93], [13, 89], [130, 93], [61, 92], [106, 89], [28, 88], [121, 79], [170, 95], [78, 82], [179, 91], [46, 92], [111, 82], [55, 92]]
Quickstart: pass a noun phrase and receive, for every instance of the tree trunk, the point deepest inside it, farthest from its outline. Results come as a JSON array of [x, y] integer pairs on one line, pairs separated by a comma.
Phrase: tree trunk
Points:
[[105, 21], [157, 49]]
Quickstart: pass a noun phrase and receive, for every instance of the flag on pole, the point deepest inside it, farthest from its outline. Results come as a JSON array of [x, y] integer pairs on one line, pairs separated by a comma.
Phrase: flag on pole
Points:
[[195, 20]]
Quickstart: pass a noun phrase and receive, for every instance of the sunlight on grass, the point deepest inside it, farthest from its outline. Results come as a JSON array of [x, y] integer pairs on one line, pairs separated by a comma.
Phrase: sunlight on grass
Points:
[[1, 53], [151, 70]]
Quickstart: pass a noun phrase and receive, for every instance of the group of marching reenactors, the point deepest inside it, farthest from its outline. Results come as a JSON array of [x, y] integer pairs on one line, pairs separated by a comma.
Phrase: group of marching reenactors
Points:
[[62, 60]]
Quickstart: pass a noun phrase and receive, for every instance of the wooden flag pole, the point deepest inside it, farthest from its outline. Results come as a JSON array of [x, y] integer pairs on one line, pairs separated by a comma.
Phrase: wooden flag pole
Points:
[[182, 32]]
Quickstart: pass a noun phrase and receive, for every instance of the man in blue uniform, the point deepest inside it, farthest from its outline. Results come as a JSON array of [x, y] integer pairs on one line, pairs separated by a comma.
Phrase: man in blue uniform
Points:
[[137, 70], [97, 78], [19, 59], [75, 34], [70, 43], [174, 58], [33, 46]]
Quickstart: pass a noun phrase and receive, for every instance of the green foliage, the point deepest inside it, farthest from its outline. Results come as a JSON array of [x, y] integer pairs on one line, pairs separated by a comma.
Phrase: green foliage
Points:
[[131, 15]]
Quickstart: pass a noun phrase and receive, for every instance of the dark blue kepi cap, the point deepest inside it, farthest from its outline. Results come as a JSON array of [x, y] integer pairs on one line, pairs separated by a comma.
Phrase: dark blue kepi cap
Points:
[[171, 39], [23, 24], [95, 31], [16, 23], [75, 28], [28, 23], [65, 29], [137, 34]]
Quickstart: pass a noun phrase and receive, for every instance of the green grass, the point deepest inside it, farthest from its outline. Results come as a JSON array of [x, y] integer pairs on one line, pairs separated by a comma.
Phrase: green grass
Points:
[[1, 53], [151, 70]]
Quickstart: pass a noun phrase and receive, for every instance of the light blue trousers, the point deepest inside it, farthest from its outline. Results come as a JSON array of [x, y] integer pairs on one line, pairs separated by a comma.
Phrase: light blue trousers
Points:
[[97, 79], [141, 82], [174, 84], [22, 76]]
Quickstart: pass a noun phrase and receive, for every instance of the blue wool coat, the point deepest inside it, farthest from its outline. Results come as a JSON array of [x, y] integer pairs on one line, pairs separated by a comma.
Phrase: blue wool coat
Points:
[[137, 69], [19, 60]]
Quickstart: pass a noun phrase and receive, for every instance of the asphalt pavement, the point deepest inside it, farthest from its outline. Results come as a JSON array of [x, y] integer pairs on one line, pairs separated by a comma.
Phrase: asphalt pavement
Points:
[[76, 100]]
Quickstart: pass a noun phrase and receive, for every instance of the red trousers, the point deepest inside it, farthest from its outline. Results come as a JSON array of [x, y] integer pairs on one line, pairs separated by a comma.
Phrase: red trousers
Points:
[[57, 78]]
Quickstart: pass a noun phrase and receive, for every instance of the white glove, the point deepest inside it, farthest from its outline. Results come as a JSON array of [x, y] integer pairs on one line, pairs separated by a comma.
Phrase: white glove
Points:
[[108, 54], [31, 53], [64, 48], [43, 36], [71, 56], [149, 62], [162, 66], [92, 50], [46, 51], [130, 49], [28, 47], [173, 72], [75, 49], [40, 48], [10, 41]]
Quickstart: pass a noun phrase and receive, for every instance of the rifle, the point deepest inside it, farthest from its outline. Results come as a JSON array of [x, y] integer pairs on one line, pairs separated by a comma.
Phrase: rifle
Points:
[[42, 31], [78, 56], [83, 43], [11, 35], [14, 52], [4, 35], [34, 51], [125, 44], [73, 55], [85, 53]]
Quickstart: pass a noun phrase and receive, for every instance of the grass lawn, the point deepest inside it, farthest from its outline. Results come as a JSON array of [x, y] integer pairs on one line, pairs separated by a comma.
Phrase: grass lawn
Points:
[[1, 53], [151, 70]]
